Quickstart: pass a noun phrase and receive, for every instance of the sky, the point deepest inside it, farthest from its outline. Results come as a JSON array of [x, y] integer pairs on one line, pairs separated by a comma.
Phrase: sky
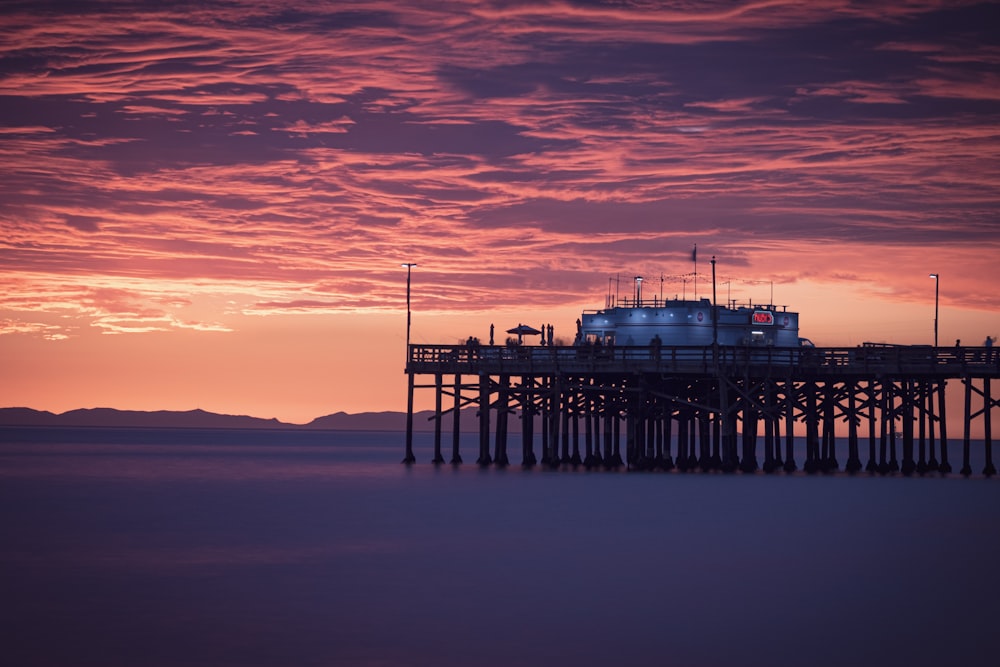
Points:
[[206, 204]]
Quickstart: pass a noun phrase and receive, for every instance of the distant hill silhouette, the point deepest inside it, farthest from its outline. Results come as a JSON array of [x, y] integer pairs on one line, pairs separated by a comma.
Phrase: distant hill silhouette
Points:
[[132, 418], [365, 421], [109, 417]]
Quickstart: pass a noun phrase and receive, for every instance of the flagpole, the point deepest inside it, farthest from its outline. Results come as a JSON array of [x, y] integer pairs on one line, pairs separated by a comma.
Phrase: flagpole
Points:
[[694, 257], [715, 313]]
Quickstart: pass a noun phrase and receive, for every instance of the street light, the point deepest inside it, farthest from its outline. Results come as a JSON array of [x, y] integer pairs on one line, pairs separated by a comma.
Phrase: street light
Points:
[[409, 458], [409, 266], [937, 284]]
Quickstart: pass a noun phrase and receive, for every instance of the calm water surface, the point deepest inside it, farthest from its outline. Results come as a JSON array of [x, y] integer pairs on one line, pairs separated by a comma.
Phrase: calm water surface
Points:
[[215, 548]]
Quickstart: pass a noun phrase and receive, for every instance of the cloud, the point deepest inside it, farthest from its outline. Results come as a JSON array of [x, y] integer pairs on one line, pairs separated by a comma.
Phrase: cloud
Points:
[[46, 331], [83, 223], [159, 162]]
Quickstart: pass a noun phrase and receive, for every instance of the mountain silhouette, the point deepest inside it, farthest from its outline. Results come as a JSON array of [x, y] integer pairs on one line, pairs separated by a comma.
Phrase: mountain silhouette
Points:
[[112, 418]]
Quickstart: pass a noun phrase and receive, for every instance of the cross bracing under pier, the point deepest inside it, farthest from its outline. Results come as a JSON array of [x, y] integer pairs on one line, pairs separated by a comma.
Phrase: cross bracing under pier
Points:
[[707, 408]]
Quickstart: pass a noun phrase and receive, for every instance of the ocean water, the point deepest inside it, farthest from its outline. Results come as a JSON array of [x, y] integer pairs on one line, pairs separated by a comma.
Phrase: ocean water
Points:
[[283, 548]]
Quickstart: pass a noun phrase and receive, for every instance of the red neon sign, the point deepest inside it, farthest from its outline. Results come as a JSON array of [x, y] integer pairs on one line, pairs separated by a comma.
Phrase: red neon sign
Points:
[[763, 317]]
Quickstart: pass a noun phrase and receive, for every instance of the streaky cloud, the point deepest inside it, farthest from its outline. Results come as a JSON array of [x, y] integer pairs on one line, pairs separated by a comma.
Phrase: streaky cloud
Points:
[[266, 160]]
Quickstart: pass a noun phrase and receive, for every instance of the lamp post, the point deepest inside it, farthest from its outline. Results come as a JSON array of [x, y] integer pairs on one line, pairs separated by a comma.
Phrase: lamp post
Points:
[[409, 458], [409, 266], [937, 284]]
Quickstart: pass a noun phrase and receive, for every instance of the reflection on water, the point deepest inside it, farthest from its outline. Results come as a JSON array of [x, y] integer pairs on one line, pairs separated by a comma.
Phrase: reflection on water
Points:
[[289, 548], [187, 462], [161, 455]]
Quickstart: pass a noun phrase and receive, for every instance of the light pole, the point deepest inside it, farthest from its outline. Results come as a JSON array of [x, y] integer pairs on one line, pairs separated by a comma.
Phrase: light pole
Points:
[[937, 285], [409, 266], [409, 458]]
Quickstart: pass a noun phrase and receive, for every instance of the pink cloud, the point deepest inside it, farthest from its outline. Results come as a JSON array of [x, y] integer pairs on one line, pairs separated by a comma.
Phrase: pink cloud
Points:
[[473, 142]]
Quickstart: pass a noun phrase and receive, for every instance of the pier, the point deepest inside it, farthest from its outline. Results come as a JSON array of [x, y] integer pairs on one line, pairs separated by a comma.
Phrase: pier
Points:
[[706, 408]]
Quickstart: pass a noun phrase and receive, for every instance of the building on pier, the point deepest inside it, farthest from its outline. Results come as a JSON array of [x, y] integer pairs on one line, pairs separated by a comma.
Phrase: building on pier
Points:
[[689, 323]]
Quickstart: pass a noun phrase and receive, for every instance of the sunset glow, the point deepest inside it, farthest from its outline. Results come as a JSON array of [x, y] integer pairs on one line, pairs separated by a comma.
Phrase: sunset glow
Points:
[[207, 205]]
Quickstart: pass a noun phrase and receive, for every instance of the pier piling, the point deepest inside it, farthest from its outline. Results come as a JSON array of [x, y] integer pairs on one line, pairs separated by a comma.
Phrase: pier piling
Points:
[[707, 408]]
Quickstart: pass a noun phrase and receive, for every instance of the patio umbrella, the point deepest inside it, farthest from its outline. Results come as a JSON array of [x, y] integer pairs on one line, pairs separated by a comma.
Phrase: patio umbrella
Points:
[[523, 330]]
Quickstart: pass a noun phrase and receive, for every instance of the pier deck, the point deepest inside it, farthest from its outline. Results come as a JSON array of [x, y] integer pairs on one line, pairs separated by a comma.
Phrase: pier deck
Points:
[[707, 407]]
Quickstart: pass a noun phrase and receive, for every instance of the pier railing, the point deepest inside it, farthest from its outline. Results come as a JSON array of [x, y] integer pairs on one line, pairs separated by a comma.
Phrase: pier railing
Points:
[[525, 359]]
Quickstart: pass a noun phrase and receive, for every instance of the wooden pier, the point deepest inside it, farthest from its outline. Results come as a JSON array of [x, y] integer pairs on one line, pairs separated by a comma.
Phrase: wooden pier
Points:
[[707, 408]]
